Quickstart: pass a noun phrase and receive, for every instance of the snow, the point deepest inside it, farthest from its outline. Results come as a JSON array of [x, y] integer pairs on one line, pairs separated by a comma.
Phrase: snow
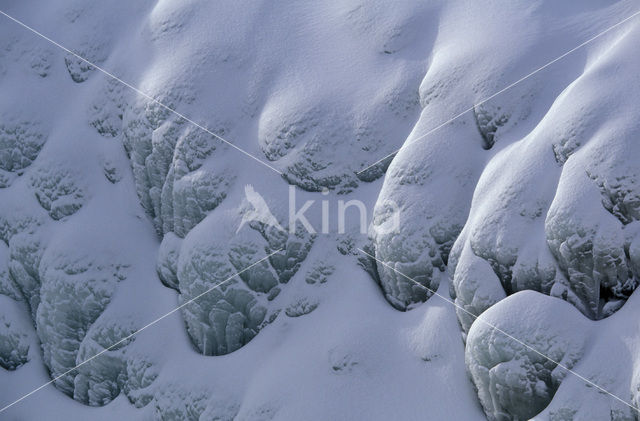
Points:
[[115, 211]]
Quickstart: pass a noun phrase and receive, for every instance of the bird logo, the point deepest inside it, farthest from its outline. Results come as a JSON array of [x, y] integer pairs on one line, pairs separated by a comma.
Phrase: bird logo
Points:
[[259, 210]]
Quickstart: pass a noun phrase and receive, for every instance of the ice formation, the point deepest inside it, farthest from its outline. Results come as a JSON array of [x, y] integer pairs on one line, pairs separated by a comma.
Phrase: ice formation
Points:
[[120, 205]]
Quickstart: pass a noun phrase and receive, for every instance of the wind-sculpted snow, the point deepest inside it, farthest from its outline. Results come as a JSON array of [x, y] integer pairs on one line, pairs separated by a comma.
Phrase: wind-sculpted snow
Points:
[[75, 291], [551, 210], [527, 204], [100, 381], [515, 382], [58, 190], [167, 263], [140, 376], [24, 262], [80, 70], [593, 247], [68, 288], [107, 109], [7, 286], [309, 142], [433, 177], [14, 342], [20, 143], [177, 402], [117, 371], [588, 263], [430, 218], [474, 286], [167, 158], [174, 403], [229, 316]]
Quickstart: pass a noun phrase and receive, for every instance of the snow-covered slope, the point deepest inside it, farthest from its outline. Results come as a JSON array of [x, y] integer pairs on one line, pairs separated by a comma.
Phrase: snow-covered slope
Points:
[[127, 191]]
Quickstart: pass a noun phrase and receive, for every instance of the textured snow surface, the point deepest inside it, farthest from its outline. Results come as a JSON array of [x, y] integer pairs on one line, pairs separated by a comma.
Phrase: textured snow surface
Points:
[[115, 211]]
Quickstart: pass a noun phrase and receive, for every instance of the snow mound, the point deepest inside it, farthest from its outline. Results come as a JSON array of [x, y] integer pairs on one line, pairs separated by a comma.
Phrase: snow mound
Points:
[[115, 210], [515, 381]]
